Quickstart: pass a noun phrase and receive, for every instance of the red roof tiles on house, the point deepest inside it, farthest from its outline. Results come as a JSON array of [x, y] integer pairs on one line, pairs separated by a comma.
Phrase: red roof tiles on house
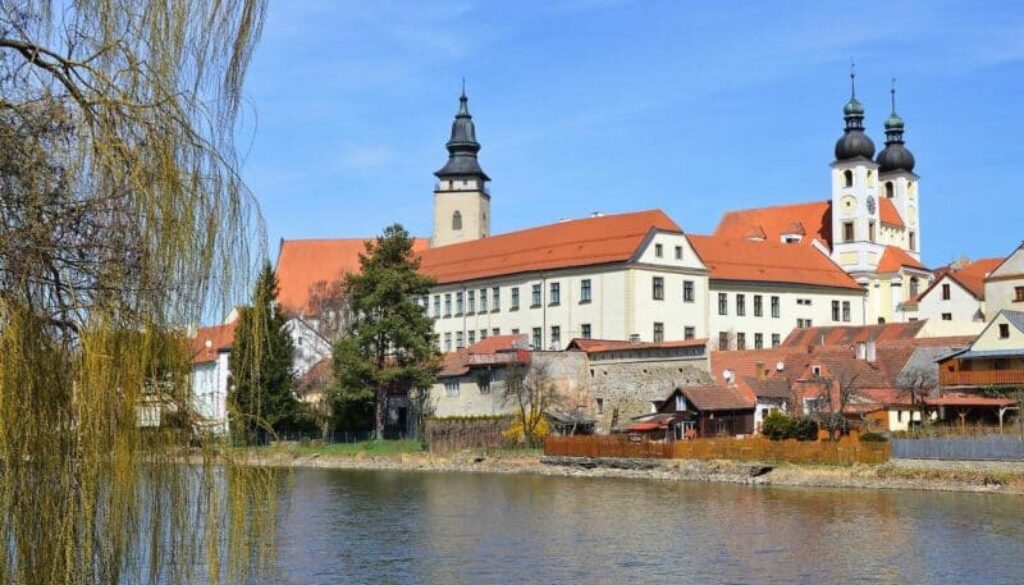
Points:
[[712, 398], [605, 345], [971, 277], [751, 261], [888, 215], [893, 259], [812, 220], [303, 265], [581, 242], [210, 341]]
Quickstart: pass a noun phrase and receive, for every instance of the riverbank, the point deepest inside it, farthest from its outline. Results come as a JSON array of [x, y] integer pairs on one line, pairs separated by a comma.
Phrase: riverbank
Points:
[[995, 479]]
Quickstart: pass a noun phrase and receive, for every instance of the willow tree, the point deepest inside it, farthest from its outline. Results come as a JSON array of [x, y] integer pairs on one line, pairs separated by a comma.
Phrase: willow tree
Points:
[[123, 221]]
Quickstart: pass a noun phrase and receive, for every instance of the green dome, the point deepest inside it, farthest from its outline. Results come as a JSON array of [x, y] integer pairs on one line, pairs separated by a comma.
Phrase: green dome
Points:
[[853, 108], [893, 122]]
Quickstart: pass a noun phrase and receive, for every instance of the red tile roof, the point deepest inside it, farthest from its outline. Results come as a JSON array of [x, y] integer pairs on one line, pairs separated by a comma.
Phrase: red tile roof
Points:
[[849, 336], [605, 345], [768, 261], [888, 215], [209, 341], [710, 398], [971, 277], [893, 259], [304, 264], [581, 242], [498, 343], [499, 350], [812, 220]]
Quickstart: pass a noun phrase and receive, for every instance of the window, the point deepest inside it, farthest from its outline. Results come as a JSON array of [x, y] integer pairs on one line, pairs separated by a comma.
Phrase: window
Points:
[[846, 311], [679, 252], [585, 290], [889, 190], [871, 231], [741, 305], [847, 231], [946, 292], [448, 304], [1018, 294], [759, 341], [437, 305], [456, 221], [688, 291], [448, 341], [585, 331], [472, 337], [458, 340], [483, 300], [723, 304], [659, 332], [776, 340], [775, 308], [947, 316], [483, 382], [804, 302], [600, 405], [451, 389], [758, 306], [657, 288], [816, 371], [496, 298], [515, 300], [471, 301], [835, 310], [912, 238], [556, 337], [483, 334], [848, 178], [458, 303], [537, 341], [515, 331], [497, 331], [914, 286], [723, 340], [536, 296], [741, 341], [1004, 331], [689, 333], [555, 294], [803, 323], [658, 251]]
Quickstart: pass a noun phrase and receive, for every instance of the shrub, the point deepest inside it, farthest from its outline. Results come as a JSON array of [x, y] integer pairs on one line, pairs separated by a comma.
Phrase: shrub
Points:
[[871, 437], [777, 426], [804, 429]]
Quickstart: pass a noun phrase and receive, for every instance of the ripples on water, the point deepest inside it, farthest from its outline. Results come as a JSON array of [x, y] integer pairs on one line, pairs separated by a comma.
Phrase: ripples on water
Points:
[[404, 527]]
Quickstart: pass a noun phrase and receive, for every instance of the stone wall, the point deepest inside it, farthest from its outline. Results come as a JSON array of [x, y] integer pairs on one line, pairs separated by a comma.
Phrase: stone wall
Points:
[[628, 388]]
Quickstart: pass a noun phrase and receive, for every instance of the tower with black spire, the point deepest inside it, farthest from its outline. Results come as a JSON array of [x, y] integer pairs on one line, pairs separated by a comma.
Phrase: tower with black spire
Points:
[[856, 242], [462, 202], [899, 183]]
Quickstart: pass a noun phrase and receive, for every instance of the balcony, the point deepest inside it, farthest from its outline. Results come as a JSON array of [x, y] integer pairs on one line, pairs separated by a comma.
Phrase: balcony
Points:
[[981, 378]]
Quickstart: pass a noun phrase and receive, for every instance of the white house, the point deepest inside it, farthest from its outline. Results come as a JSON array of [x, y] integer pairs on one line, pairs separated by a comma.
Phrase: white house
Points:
[[958, 292], [211, 348], [1004, 285]]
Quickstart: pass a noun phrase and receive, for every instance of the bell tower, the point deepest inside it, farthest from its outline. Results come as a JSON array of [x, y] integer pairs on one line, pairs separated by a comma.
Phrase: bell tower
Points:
[[899, 183], [462, 201]]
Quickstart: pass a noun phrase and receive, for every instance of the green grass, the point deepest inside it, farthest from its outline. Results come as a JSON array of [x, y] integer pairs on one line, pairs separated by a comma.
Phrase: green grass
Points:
[[369, 448]]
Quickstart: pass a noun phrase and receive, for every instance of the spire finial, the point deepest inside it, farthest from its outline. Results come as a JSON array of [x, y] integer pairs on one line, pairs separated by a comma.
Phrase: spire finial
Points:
[[463, 96], [853, 77], [892, 92]]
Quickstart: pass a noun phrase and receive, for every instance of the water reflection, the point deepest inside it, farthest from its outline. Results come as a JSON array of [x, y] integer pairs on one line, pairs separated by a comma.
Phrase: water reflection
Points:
[[395, 527]]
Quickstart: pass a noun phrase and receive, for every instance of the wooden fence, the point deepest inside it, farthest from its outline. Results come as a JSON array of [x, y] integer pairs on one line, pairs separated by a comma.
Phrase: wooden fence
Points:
[[844, 452]]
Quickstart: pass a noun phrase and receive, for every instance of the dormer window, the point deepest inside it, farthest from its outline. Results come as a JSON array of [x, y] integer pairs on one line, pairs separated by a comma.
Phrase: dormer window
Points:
[[456, 221], [848, 178]]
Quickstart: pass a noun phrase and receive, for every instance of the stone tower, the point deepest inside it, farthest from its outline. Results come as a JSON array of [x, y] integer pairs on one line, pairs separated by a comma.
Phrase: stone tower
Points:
[[462, 203]]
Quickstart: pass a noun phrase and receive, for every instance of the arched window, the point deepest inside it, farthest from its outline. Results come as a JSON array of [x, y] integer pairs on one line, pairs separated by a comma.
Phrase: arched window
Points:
[[456, 221], [848, 178], [888, 189], [913, 287]]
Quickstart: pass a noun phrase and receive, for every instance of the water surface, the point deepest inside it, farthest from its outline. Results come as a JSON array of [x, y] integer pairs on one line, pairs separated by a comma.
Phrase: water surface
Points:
[[343, 526]]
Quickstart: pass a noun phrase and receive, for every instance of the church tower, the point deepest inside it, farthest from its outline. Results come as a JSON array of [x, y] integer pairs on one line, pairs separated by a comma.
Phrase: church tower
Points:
[[899, 183], [462, 202], [856, 243]]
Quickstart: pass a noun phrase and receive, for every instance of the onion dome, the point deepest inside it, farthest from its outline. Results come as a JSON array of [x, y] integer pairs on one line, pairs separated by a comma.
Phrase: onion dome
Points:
[[895, 156], [854, 143], [462, 146]]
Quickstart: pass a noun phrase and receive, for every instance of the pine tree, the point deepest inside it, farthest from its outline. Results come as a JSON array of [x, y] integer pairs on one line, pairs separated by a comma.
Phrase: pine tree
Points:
[[261, 364], [390, 349]]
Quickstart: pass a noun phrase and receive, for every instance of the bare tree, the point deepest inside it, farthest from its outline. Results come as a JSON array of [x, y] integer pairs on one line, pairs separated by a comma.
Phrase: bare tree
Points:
[[330, 310], [915, 383], [834, 396], [531, 392]]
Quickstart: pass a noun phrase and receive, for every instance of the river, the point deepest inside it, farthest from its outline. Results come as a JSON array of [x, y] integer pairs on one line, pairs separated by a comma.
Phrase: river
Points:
[[343, 526]]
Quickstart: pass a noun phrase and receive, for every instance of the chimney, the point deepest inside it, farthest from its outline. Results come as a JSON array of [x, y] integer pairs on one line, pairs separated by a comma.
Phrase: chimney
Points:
[[761, 372], [862, 350], [871, 351]]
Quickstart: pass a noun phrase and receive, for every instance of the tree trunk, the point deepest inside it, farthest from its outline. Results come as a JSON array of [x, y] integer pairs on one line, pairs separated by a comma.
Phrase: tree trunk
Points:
[[381, 413]]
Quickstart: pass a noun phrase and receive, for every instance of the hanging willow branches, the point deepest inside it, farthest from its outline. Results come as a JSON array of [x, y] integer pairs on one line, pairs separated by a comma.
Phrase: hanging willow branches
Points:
[[123, 221]]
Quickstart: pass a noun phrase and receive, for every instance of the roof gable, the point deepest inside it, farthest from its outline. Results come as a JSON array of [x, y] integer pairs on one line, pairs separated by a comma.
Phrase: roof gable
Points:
[[894, 259], [210, 341], [971, 277], [1012, 265]]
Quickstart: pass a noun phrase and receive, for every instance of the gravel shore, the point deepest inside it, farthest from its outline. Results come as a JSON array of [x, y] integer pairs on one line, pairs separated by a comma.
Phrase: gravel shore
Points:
[[888, 476]]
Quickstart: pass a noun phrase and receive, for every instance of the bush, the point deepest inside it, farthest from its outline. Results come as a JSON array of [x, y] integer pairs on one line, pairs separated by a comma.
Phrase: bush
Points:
[[777, 426], [870, 437]]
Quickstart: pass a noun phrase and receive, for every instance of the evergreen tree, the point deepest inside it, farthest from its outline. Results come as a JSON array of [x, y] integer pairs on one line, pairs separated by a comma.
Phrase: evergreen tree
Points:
[[261, 364], [390, 348]]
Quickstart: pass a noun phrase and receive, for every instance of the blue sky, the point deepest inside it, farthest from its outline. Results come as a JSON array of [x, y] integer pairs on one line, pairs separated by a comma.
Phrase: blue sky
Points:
[[694, 107]]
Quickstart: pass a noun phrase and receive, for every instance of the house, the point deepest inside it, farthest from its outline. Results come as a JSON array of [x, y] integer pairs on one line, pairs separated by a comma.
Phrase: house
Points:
[[626, 377], [1004, 285], [993, 362], [692, 412], [958, 292], [211, 347]]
